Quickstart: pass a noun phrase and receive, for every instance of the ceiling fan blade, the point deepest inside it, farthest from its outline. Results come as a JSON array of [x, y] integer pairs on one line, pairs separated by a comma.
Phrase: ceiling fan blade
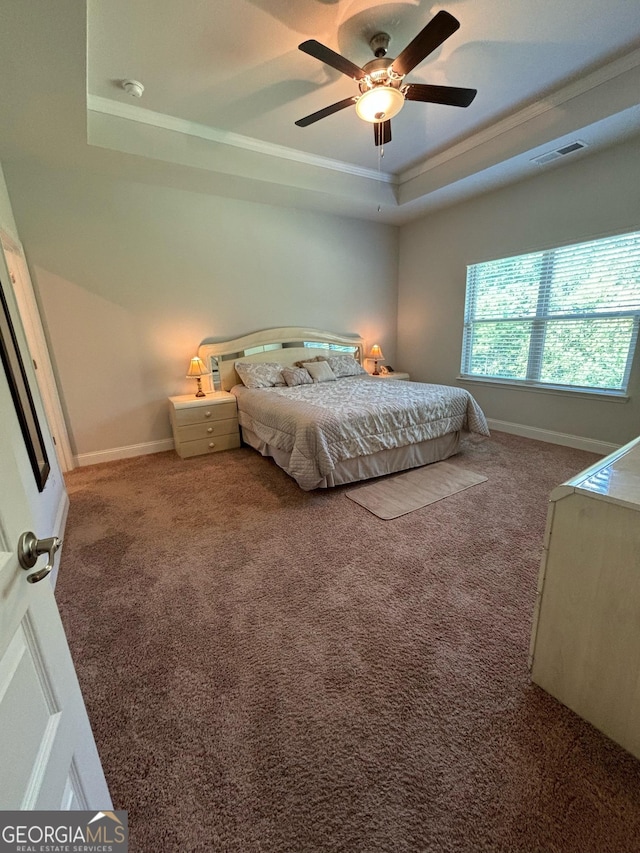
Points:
[[327, 111], [437, 30], [330, 57], [450, 95], [382, 132]]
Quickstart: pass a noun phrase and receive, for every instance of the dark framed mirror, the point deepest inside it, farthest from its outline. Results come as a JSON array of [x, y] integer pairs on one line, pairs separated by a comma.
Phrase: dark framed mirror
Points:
[[22, 397]]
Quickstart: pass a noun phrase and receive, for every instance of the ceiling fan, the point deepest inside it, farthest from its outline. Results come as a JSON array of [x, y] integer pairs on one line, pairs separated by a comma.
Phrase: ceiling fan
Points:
[[381, 81]]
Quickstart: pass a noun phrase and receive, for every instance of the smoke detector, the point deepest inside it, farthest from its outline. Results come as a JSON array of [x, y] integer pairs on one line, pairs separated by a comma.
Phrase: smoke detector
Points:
[[133, 88]]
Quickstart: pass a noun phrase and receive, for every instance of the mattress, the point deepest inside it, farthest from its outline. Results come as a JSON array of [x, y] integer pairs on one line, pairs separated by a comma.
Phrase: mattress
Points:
[[319, 427]]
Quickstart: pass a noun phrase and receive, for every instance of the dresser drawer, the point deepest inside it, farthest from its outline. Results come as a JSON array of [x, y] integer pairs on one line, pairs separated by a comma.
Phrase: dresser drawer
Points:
[[192, 432], [204, 414], [208, 445]]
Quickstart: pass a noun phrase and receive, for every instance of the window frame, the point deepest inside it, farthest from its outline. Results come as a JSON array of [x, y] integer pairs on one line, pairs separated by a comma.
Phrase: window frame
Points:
[[539, 324]]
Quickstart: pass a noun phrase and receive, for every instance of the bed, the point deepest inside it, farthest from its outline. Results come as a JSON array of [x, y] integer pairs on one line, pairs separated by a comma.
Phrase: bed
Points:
[[348, 428]]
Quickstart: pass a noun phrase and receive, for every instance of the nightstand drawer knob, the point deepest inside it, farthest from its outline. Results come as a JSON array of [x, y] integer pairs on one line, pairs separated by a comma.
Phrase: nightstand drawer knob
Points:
[[209, 429], [207, 414], [212, 444]]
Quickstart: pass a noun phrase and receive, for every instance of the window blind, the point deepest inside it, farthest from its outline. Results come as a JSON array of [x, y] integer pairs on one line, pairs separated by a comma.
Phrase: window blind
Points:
[[564, 317]]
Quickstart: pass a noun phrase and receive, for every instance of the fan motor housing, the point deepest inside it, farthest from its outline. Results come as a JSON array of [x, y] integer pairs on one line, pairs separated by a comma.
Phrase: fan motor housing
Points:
[[376, 71]]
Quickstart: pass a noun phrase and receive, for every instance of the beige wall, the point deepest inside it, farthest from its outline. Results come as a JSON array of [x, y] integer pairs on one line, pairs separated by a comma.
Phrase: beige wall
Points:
[[131, 277], [595, 195]]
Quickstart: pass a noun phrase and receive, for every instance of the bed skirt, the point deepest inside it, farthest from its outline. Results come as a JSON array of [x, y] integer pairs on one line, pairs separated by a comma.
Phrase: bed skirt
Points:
[[365, 467]]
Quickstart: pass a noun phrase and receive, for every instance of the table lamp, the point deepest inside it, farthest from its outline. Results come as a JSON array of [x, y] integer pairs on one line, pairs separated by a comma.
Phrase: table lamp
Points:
[[197, 370], [377, 355]]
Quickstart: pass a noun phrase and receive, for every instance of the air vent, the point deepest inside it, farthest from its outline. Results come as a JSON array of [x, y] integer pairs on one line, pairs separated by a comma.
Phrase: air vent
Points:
[[550, 156]]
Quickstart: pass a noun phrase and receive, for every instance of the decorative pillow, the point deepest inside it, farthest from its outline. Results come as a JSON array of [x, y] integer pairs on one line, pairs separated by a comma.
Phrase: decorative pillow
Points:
[[296, 376], [320, 371], [345, 365], [309, 360], [263, 374]]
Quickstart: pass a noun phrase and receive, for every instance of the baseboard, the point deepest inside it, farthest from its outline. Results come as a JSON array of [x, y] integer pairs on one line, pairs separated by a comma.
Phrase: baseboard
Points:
[[126, 452], [604, 448]]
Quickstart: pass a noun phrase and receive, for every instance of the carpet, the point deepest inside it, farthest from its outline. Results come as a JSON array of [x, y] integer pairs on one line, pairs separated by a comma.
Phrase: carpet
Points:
[[268, 670], [391, 497]]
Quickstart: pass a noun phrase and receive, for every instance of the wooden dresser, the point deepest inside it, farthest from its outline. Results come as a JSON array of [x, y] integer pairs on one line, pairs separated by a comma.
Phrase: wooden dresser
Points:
[[585, 645], [204, 424]]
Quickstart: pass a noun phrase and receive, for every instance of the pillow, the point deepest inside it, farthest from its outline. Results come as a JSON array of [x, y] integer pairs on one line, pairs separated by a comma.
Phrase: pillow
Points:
[[345, 365], [320, 371], [296, 376], [309, 360], [263, 374]]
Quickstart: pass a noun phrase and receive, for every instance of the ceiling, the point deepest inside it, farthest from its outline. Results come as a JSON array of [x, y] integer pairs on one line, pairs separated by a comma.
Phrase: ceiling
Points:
[[225, 82]]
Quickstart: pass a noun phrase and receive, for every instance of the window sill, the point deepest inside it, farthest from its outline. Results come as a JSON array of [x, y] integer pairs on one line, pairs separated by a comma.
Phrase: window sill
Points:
[[583, 393]]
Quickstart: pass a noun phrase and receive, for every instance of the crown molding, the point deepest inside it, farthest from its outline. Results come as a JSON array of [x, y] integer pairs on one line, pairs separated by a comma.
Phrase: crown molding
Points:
[[596, 78], [98, 104], [548, 115]]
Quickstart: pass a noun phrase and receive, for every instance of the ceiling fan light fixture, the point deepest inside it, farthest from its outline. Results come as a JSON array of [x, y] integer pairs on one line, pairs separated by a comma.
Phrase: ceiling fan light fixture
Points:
[[381, 81], [379, 104]]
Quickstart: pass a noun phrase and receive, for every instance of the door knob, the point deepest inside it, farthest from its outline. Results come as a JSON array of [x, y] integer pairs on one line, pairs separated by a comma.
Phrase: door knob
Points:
[[30, 548]]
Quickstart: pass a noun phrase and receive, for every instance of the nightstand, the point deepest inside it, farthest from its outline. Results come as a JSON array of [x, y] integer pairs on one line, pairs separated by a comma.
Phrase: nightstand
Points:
[[204, 424], [390, 375]]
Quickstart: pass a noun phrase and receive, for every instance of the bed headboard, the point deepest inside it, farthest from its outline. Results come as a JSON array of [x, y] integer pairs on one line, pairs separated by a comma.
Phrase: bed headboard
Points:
[[284, 345]]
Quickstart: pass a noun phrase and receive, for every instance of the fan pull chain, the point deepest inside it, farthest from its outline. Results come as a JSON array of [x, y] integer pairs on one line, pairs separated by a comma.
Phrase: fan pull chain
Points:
[[380, 156]]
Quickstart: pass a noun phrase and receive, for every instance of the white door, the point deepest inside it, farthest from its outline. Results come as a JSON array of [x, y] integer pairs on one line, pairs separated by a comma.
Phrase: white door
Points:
[[47, 752], [34, 333]]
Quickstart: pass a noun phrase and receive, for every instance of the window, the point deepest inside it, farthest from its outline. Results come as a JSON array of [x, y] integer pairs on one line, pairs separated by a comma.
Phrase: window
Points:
[[334, 347], [565, 317]]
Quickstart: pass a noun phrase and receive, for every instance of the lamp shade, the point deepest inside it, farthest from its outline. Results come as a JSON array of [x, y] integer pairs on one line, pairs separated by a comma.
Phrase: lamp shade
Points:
[[376, 352], [197, 368], [380, 103]]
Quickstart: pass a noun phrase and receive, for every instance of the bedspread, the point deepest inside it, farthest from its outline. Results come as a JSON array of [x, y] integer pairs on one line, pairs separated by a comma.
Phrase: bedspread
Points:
[[325, 423]]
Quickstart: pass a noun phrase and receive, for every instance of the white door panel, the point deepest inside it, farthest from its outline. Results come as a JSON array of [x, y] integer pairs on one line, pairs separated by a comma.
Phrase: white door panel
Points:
[[47, 752]]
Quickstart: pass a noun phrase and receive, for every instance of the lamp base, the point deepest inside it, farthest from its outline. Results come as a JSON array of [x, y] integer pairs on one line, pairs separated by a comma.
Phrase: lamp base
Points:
[[200, 392], [376, 372]]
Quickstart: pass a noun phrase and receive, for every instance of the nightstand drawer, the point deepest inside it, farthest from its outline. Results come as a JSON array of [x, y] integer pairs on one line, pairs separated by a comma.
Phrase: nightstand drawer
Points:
[[204, 424], [208, 445], [204, 414], [192, 432]]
